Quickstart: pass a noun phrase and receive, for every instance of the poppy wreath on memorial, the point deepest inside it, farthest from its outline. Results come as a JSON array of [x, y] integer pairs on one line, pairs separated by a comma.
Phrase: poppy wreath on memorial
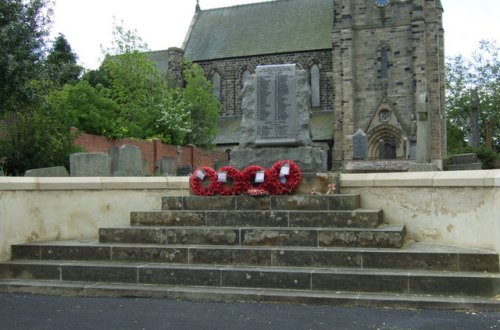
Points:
[[248, 181], [233, 184], [284, 184], [199, 186]]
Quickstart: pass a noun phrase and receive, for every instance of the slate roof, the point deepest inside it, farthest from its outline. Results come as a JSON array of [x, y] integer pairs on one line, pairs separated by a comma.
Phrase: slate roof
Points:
[[272, 27]]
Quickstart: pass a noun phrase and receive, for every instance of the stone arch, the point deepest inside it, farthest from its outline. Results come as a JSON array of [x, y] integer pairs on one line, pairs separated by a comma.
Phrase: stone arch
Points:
[[389, 137], [215, 77], [243, 73], [314, 73]]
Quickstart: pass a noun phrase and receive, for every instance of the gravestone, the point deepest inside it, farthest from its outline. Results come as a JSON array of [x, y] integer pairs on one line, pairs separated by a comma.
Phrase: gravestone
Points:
[[184, 170], [89, 164], [167, 166], [126, 161], [57, 171], [276, 120], [360, 145]]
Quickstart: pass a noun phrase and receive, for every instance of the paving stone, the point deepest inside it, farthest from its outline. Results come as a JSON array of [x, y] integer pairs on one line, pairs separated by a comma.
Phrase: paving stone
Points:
[[203, 236], [239, 257], [180, 276], [378, 238], [248, 219], [195, 203], [99, 273], [75, 252], [357, 282], [150, 254], [21, 270], [265, 278], [168, 218], [133, 235], [316, 258], [279, 237], [343, 219]]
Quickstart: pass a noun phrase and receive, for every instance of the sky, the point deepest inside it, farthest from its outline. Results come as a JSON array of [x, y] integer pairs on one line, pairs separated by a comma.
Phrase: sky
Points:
[[88, 24]]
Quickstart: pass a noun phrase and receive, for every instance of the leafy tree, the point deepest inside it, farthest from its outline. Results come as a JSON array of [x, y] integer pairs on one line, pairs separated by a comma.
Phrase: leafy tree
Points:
[[61, 63], [39, 138], [203, 105], [174, 123], [482, 74], [88, 110], [23, 30]]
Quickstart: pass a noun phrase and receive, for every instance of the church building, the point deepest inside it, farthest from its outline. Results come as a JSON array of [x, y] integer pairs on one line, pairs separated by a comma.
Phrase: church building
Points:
[[370, 64]]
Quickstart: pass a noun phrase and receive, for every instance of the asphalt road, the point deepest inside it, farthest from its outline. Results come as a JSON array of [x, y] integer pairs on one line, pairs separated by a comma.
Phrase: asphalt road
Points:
[[47, 312]]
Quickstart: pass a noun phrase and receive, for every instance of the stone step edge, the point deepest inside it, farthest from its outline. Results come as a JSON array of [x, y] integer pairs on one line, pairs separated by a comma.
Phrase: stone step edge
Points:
[[381, 228], [38, 250], [95, 244], [271, 269], [234, 295]]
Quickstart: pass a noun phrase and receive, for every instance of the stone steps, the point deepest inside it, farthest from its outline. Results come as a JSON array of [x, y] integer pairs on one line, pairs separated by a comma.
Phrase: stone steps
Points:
[[248, 203], [224, 294], [413, 257], [381, 237], [274, 248], [358, 218], [294, 278]]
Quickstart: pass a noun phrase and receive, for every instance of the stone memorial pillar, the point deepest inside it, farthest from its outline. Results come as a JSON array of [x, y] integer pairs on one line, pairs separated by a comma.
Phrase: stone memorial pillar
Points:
[[423, 162], [276, 120]]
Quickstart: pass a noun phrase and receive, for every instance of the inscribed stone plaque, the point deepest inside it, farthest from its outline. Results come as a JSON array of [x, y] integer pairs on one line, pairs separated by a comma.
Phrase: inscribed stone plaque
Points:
[[360, 145], [276, 104]]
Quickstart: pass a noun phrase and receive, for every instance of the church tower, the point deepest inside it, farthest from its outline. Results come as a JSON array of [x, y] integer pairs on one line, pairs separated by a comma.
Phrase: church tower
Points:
[[388, 62]]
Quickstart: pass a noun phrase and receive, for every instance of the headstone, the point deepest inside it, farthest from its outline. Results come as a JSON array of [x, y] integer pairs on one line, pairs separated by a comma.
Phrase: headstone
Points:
[[167, 166], [184, 170], [89, 164], [126, 161], [465, 162], [57, 171], [360, 145]]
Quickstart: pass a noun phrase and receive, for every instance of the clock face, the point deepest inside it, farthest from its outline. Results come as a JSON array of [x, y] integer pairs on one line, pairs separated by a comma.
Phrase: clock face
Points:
[[382, 3]]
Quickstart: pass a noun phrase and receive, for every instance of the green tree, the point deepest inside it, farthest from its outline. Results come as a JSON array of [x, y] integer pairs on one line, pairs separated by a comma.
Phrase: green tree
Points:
[[481, 73], [86, 109], [203, 105], [23, 31], [61, 64], [39, 138]]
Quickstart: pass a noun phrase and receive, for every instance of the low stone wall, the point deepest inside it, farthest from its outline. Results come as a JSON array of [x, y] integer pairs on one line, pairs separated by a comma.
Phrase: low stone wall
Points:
[[458, 208], [45, 209]]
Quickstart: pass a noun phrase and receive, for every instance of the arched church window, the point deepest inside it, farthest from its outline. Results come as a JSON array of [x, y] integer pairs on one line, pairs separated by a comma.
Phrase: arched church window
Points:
[[215, 78], [315, 85], [244, 76]]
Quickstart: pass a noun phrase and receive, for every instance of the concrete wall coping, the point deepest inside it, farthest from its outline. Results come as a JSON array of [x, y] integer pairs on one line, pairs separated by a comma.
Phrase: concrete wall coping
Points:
[[93, 183], [483, 178]]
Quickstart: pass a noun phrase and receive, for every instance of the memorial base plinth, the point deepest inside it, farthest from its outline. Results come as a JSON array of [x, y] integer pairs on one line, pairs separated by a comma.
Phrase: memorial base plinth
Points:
[[309, 159]]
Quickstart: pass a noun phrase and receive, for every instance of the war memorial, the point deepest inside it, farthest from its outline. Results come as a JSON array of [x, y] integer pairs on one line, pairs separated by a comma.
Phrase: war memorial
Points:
[[333, 193]]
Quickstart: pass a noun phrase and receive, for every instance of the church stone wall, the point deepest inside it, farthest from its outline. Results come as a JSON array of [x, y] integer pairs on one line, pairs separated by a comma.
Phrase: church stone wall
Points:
[[411, 33], [231, 71]]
